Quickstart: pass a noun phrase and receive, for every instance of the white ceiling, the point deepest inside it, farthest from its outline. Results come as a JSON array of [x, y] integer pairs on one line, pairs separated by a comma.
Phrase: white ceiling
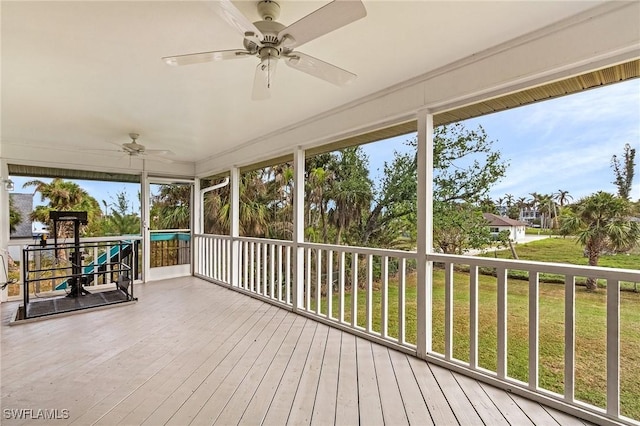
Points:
[[79, 75]]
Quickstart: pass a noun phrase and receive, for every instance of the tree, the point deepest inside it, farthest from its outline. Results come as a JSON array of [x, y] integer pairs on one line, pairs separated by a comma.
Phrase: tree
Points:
[[14, 216], [170, 208], [459, 227], [119, 221], [351, 190], [562, 197], [602, 224], [63, 196], [624, 171], [465, 168]]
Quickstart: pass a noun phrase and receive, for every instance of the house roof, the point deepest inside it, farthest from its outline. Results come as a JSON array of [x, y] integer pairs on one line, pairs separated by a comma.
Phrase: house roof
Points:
[[23, 203], [495, 220]]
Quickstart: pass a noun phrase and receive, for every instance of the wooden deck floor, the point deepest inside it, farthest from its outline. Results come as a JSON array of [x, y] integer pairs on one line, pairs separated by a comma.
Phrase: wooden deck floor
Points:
[[191, 352]]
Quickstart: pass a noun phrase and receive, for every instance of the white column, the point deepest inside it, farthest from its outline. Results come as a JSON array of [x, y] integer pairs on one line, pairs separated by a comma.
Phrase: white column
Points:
[[4, 229], [146, 236], [425, 231], [298, 227], [196, 224], [234, 230]]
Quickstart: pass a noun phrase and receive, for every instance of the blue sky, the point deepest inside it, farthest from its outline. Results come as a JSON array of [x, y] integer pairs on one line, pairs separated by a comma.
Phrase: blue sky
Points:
[[565, 143]]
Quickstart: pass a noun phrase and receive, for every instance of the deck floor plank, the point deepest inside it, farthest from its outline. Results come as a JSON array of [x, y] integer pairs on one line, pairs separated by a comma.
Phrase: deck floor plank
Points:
[[463, 409], [302, 407], [280, 407], [324, 408], [393, 411], [256, 401], [414, 404], [247, 371], [192, 352], [506, 405], [439, 408], [347, 392], [483, 405], [368, 395]]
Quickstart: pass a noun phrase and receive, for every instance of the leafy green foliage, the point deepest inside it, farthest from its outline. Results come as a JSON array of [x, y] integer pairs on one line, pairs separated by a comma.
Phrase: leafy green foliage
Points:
[[624, 171], [14, 216], [63, 196], [602, 224]]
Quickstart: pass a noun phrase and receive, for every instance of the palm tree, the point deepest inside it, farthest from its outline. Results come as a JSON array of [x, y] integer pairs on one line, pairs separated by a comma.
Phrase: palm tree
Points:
[[601, 222], [171, 209], [562, 197], [63, 196]]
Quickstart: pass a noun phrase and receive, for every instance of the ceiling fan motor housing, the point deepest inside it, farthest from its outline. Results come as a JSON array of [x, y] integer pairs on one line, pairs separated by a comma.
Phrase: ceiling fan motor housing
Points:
[[268, 10]]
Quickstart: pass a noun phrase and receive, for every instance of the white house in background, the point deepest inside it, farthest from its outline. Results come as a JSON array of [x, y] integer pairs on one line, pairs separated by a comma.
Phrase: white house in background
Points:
[[498, 224]]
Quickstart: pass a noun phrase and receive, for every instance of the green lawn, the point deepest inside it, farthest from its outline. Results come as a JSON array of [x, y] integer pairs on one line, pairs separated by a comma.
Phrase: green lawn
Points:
[[566, 250], [590, 333]]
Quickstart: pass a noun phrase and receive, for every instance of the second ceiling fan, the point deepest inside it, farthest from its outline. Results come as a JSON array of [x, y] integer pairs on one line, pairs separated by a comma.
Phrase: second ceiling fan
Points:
[[270, 41]]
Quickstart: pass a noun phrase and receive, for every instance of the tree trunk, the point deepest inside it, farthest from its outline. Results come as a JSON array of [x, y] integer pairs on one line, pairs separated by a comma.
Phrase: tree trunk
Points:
[[592, 283], [513, 250]]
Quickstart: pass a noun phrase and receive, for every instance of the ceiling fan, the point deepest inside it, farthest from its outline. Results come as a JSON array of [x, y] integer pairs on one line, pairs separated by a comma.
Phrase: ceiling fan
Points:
[[134, 149], [270, 41]]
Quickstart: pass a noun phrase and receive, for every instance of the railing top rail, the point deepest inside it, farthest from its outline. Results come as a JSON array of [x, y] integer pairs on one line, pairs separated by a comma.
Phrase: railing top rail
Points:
[[542, 267], [363, 250], [169, 231], [113, 238]]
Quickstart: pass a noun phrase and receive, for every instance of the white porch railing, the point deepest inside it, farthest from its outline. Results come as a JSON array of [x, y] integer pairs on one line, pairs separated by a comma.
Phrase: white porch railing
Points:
[[365, 291]]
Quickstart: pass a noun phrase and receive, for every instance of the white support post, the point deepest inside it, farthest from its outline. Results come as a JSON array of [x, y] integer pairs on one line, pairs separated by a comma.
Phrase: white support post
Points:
[[425, 232], [145, 209], [4, 229], [234, 230], [298, 228], [197, 215]]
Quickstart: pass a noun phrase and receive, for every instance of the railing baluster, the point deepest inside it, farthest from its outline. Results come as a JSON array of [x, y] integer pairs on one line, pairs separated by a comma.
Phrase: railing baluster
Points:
[[534, 327], [354, 289], [473, 316], [613, 348], [318, 280], [265, 268], [384, 301], [569, 337], [369, 294], [272, 271], [330, 284], [401, 300], [448, 310], [307, 291], [280, 266], [217, 260], [501, 369], [245, 265], [259, 268], [341, 279], [288, 276], [252, 269]]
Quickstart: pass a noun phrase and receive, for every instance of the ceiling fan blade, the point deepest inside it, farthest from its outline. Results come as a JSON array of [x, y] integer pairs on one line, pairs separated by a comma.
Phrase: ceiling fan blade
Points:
[[328, 18], [317, 68], [263, 79], [236, 19], [197, 58]]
